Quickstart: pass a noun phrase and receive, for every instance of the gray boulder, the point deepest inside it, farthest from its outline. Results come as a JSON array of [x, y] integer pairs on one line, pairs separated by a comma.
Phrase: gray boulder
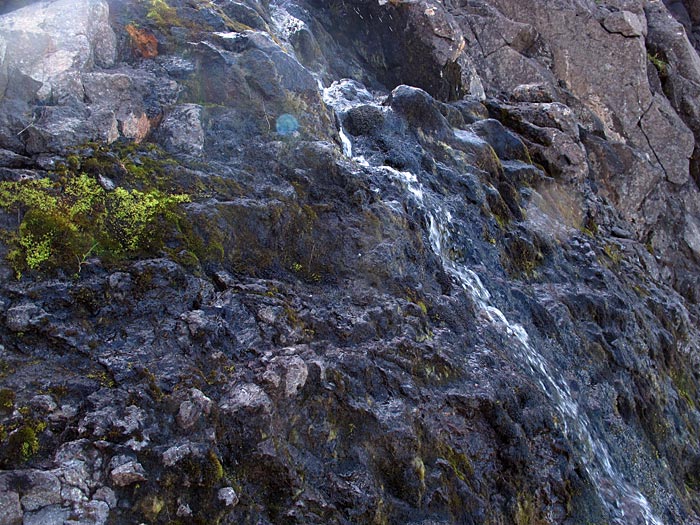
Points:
[[42, 43]]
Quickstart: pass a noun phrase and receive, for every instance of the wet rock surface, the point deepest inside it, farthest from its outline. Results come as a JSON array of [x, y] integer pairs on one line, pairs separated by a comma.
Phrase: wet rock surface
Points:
[[437, 262]]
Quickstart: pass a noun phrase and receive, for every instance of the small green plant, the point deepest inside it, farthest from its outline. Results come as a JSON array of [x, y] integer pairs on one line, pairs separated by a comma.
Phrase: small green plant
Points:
[[62, 222], [660, 64], [24, 443], [7, 399]]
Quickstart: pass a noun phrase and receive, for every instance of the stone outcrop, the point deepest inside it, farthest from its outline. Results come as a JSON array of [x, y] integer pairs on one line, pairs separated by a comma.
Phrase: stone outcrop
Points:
[[369, 261]]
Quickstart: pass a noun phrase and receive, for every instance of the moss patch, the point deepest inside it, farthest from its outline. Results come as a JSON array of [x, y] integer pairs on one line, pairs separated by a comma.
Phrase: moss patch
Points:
[[69, 216], [23, 443], [7, 399], [522, 257]]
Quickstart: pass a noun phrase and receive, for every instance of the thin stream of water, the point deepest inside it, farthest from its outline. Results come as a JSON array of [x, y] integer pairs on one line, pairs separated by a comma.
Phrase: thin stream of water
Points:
[[624, 502]]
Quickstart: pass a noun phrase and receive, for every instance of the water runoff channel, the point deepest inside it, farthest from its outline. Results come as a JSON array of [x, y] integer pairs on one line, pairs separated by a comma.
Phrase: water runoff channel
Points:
[[625, 504]]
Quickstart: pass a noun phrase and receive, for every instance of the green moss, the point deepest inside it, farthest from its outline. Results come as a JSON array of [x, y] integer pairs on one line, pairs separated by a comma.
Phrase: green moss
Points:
[[5, 368], [660, 64], [293, 317], [103, 378], [419, 470], [522, 257], [458, 461], [7, 399], [204, 471], [613, 253], [685, 385], [151, 506], [414, 297], [187, 259], [649, 245], [498, 209], [153, 387], [23, 443], [526, 511], [64, 221], [58, 391], [589, 227], [213, 469], [487, 236], [233, 25], [163, 15]]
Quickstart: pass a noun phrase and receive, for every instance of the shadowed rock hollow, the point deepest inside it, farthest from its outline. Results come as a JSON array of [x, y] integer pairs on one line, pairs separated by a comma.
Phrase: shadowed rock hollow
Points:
[[349, 262]]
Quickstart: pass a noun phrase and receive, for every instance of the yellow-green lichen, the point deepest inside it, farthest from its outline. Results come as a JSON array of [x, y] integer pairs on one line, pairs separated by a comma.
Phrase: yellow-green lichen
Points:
[[63, 221]]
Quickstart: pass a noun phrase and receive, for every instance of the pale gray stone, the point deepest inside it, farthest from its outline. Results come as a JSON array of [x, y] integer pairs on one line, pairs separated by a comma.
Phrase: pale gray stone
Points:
[[43, 43], [10, 510], [228, 496], [128, 473], [181, 130], [625, 23]]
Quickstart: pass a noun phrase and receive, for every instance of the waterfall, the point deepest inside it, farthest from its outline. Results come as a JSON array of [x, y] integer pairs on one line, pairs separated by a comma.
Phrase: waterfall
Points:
[[624, 503]]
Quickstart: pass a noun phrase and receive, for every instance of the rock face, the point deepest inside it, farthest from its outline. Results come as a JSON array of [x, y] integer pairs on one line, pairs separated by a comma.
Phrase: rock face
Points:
[[358, 262]]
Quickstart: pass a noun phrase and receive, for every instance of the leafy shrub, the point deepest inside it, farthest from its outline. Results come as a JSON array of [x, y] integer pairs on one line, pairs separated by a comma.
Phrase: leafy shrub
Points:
[[63, 222]]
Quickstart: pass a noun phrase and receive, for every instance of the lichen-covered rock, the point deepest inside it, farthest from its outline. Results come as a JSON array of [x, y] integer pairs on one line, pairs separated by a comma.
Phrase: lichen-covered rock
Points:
[[193, 409], [182, 131], [228, 496], [10, 508], [38, 489], [126, 472], [23, 316]]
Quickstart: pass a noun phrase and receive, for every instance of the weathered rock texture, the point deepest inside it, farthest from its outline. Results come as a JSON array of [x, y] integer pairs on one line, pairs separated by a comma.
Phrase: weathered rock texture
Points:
[[439, 263]]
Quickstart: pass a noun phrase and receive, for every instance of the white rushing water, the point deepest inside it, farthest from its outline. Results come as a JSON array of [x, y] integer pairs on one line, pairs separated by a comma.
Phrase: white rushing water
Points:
[[626, 505], [347, 143]]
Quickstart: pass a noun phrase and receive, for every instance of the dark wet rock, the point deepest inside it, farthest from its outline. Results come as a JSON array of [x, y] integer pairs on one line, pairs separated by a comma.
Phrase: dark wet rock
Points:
[[418, 109], [10, 159], [506, 144], [23, 316], [364, 120]]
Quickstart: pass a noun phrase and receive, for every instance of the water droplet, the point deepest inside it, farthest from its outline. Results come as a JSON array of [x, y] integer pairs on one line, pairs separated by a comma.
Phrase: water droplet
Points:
[[287, 124]]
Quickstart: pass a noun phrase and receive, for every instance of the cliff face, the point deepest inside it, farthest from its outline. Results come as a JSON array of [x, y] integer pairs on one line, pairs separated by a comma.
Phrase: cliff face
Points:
[[350, 262]]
